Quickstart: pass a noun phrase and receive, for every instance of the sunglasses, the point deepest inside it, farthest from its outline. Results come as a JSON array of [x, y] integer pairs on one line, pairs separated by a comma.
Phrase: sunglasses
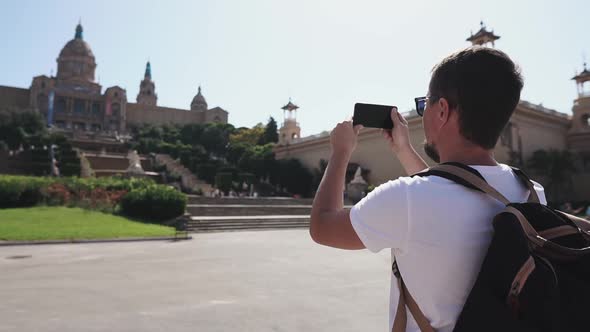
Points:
[[421, 104]]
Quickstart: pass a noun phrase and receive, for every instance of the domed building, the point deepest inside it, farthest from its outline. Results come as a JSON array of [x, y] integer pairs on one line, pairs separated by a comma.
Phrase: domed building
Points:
[[199, 103], [74, 102], [76, 61]]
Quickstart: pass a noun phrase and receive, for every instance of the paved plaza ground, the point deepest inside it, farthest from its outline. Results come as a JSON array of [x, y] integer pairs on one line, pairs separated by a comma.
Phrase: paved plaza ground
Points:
[[234, 281]]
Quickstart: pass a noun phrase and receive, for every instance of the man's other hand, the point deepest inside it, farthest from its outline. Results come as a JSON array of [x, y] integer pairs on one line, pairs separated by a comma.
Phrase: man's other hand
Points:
[[343, 138], [398, 137]]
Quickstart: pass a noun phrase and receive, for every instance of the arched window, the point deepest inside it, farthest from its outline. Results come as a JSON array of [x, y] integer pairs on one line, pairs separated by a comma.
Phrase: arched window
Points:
[[586, 120], [216, 119]]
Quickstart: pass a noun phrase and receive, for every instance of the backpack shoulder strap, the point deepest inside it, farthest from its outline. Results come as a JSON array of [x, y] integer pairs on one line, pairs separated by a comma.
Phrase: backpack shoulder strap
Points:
[[533, 196], [406, 300], [465, 176]]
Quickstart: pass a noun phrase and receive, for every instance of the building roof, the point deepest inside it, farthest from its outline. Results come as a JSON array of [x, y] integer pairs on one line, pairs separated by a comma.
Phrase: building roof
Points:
[[148, 71], [483, 33], [582, 76], [77, 46], [199, 100], [290, 106]]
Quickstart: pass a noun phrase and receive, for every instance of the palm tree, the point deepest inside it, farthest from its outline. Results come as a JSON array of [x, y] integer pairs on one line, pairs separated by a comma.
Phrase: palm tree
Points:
[[556, 167]]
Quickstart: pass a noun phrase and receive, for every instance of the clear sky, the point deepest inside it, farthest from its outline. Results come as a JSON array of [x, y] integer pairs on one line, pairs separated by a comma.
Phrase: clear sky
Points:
[[251, 56]]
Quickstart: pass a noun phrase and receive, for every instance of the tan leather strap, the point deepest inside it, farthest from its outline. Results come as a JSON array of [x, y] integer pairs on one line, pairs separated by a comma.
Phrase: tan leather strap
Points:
[[418, 315], [481, 184], [583, 224], [401, 320], [472, 179], [518, 283], [533, 196], [529, 230], [406, 299], [559, 231]]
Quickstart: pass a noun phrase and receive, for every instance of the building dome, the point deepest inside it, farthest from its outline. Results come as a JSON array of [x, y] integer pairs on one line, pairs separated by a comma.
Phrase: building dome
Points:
[[76, 47], [76, 60], [199, 103]]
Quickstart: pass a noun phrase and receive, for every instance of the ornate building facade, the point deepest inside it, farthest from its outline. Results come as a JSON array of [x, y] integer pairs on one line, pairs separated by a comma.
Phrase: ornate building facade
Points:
[[532, 127], [74, 101]]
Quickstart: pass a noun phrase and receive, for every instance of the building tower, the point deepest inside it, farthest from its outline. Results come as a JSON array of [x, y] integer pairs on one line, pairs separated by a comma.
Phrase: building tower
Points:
[[483, 37], [290, 129], [199, 103], [147, 89], [76, 61], [579, 133]]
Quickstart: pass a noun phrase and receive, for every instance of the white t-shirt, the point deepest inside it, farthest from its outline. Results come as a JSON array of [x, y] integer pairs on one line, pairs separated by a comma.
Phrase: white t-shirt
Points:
[[439, 232]]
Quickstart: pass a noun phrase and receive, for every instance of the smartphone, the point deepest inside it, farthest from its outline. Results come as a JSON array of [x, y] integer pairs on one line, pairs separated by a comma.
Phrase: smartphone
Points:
[[372, 116]]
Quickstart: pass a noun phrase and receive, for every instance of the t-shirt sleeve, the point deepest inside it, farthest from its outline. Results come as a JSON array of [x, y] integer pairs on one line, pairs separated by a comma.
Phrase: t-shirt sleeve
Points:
[[540, 192], [381, 218]]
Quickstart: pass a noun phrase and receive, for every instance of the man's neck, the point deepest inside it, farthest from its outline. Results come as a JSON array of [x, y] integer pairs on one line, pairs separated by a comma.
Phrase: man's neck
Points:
[[469, 154]]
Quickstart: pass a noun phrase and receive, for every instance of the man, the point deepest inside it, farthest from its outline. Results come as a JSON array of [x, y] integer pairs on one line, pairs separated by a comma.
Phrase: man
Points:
[[438, 231]]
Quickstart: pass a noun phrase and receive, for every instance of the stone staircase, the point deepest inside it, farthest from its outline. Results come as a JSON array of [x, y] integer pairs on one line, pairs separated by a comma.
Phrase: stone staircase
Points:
[[108, 163], [188, 180], [209, 214]]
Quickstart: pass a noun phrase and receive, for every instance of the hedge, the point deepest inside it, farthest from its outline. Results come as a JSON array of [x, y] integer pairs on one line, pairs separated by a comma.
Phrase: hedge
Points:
[[155, 202], [137, 197], [21, 191]]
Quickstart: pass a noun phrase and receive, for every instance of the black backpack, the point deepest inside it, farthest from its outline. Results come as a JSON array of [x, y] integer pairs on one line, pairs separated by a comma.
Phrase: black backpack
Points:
[[535, 275]]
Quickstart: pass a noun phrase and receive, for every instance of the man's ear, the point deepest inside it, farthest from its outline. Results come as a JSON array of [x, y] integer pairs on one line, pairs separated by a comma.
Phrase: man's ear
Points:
[[444, 112]]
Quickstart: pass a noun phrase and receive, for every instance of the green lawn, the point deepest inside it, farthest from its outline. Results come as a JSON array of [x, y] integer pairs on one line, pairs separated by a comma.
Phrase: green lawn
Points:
[[59, 223]]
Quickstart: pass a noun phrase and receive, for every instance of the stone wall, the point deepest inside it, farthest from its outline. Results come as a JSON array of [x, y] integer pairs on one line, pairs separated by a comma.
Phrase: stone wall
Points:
[[14, 98], [138, 114], [531, 129]]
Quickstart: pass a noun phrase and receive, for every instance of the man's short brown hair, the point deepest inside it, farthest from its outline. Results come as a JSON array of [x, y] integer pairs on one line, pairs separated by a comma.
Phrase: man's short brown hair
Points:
[[483, 85]]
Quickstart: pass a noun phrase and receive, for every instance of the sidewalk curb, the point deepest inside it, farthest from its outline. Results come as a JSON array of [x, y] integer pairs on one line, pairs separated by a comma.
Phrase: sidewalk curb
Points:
[[138, 239]]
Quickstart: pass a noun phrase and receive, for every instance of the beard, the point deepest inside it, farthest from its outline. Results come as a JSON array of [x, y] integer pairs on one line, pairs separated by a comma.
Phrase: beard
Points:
[[431, 151]]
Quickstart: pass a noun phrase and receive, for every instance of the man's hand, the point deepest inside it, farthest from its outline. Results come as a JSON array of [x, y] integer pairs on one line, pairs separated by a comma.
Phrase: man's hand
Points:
[[343, 138], [399, 141], [398, 137]]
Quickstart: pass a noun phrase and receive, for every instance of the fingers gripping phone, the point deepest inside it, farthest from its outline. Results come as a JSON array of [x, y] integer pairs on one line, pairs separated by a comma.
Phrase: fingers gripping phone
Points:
[[372, 116]]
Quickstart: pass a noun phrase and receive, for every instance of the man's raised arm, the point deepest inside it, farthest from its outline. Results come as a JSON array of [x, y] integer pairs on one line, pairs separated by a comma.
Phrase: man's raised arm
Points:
[[330, 223]]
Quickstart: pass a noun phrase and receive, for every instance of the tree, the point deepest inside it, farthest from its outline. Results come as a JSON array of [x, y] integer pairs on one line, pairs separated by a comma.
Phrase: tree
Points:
[[235, 151], [250, 136], [16, 127], [215, 138], [271, 134], [191, 133], [291, 175], [258, 159], [318, 173], [556, 168], [223, 181]]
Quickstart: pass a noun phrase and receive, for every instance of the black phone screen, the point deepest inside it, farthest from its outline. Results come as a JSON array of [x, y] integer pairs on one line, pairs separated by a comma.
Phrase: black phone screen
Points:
[[372, 116]]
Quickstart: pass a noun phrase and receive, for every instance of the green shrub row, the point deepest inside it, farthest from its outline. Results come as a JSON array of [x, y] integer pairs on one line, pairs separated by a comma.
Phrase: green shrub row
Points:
[[21, 191], [136, 197], [154, 202]]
